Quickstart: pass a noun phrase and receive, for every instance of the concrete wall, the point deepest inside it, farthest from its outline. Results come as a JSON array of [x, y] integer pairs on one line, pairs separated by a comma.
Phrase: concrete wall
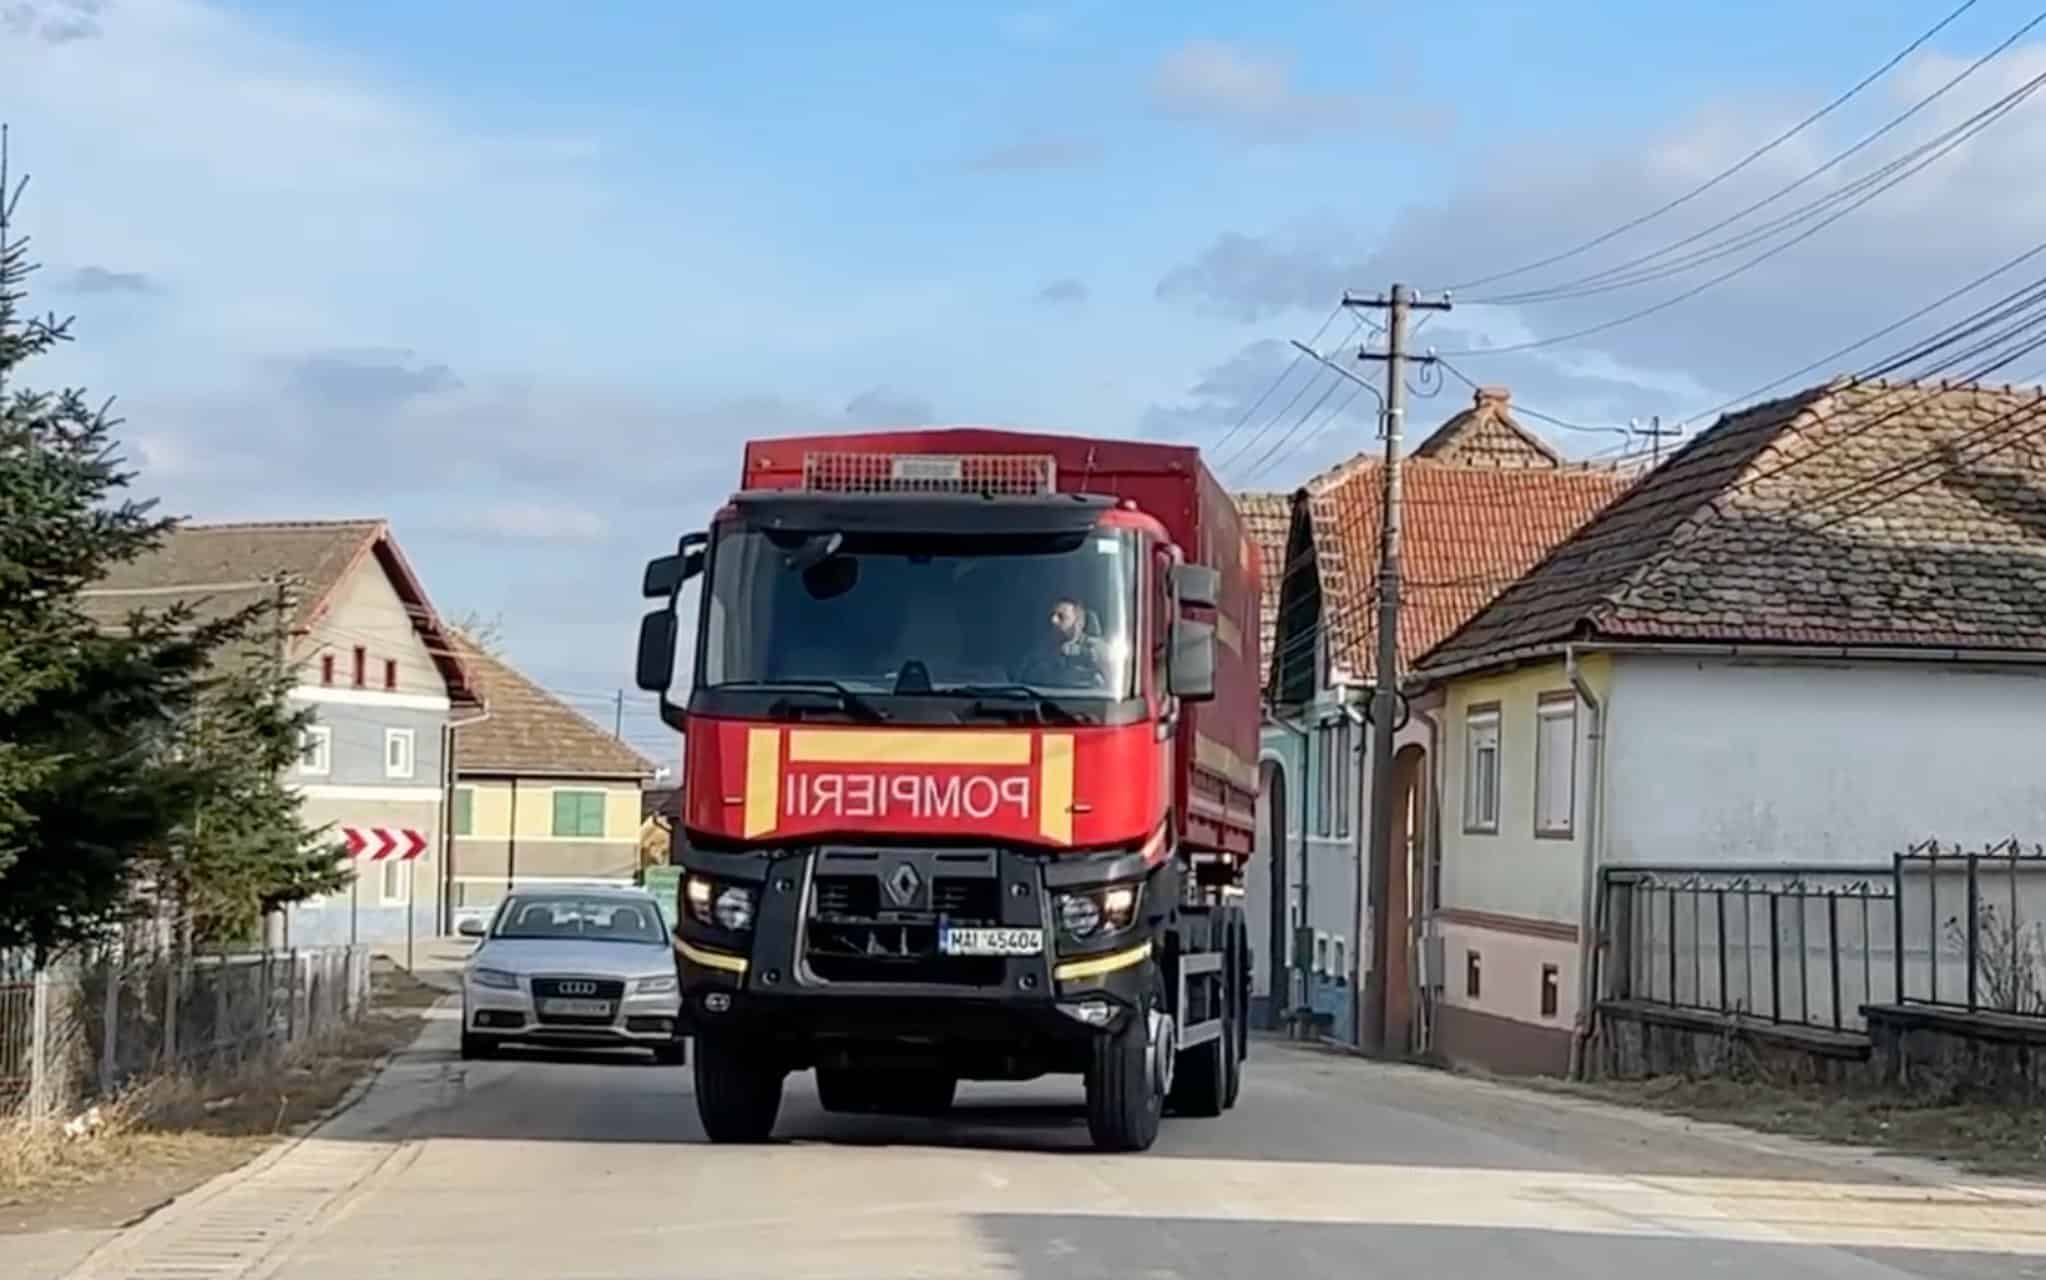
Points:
[[511, 837], [1716, 761]]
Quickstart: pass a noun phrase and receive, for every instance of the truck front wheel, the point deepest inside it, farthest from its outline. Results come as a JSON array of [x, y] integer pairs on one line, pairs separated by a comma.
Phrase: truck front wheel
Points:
[[738, 1090], [1130, 1072]]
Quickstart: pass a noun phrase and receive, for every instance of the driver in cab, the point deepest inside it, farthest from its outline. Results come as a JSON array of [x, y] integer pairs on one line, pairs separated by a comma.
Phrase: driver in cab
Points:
[[1069, 656]]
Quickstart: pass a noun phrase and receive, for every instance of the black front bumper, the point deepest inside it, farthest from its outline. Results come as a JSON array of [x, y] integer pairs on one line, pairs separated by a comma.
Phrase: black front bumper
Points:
[[837, 954]]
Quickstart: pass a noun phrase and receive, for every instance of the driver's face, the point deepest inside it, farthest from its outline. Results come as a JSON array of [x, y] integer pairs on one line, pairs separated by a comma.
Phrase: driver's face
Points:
[[1065, 617]]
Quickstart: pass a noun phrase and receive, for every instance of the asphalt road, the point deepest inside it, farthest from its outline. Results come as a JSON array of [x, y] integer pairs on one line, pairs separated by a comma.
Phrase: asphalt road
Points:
[[1330, 1167]]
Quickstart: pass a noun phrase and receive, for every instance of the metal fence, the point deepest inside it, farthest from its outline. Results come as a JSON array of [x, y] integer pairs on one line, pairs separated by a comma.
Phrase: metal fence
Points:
[[87, 1025], [1801, 945], [1980, 910]]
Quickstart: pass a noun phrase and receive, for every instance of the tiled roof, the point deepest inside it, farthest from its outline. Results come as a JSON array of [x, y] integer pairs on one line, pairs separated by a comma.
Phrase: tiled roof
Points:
[[220, 569], [1896, 515], [1467, 531], [531, 733], [1268, 519], [1488, 435]]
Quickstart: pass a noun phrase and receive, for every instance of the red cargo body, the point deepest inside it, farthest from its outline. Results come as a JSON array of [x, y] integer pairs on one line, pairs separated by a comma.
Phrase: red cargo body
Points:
[[1214, 757]]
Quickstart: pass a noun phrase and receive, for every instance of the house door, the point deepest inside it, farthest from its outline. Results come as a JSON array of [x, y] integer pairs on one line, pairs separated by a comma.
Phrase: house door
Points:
[[1278, 980], [1409, 774]]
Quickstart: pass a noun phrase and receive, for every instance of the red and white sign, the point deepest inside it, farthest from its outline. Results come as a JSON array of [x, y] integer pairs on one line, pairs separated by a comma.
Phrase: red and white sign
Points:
[[384, 842]]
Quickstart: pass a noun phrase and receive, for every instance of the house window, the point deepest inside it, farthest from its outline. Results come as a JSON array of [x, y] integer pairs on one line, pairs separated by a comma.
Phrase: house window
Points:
[[465, 811], [1330, 768], [1549, 991], [1342, 777], [1481, 770], [361, 666], [316, 750], [390, 673], [579, 814], [398, 753], [396, 886], [1555, 764], [327, 668], [1473, 975], [1321, 954], [1341, 970]]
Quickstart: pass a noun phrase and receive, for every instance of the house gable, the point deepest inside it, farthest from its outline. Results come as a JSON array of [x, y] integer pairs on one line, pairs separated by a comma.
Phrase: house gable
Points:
[[1488, 435], [364, 622]]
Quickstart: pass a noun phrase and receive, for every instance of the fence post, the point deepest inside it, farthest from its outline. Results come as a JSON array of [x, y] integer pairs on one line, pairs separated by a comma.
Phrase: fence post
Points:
[[221, 1040], [1932, 922], [1672, 946], [1775, 960], [1719, 908], [110, 1023], [39, 1043], [170, 1009], [291, 998], [1833, 945], [1974, 925]]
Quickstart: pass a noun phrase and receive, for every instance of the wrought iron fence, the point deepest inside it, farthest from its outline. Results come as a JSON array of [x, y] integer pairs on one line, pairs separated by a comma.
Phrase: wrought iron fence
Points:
[[85, 1025], [1979, 913], [1805, 946]]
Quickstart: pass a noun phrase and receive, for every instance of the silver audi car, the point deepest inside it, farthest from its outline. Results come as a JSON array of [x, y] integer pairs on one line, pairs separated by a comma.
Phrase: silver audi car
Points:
[[572, 967]]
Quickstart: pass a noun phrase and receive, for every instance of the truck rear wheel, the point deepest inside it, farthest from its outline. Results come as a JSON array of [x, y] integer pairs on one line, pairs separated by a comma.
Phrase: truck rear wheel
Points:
[[856, 1091], [1130, 1072], [738, 1090]]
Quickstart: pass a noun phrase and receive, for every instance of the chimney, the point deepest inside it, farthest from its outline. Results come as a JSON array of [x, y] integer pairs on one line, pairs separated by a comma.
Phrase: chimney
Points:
[[1496, 397]]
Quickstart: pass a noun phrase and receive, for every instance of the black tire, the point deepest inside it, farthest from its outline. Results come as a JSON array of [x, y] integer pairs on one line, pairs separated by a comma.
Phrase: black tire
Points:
[[738, 1090], [1125, 1096], [675, 1053], [1239, 1031], [475, 1047], [853, 1091]]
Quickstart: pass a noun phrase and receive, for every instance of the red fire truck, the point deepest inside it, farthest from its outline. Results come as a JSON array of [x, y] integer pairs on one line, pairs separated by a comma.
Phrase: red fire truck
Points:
[[970, 773]]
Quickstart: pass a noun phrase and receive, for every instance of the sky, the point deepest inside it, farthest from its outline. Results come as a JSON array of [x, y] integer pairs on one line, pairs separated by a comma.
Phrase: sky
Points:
[[520, 278]]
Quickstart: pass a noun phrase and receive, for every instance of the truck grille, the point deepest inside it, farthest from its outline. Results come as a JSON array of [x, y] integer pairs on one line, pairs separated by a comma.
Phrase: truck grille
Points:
[[872, 921]]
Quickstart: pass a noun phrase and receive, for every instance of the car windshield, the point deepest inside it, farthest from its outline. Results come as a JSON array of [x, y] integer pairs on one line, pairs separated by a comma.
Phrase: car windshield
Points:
[[584, 919], [922, 613]]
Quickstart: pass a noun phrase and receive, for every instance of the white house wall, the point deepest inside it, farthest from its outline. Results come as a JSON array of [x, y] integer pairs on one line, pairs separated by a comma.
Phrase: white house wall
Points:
[[1711, 761]]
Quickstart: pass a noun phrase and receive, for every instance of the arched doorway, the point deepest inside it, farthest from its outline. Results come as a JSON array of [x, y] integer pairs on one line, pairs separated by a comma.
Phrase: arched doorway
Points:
[[1407, 892], [1272, 825]]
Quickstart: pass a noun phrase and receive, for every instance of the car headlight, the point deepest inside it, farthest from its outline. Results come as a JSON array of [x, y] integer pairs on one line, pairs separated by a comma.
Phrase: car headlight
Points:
[[494, 978], [1098, 912], [656, 985]]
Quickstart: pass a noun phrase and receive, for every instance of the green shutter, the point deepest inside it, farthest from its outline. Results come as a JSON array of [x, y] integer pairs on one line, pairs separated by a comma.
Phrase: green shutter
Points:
[[579, 813], [465, 811]]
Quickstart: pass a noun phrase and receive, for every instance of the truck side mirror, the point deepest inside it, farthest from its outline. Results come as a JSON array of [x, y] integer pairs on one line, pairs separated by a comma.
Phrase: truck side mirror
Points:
[[1191, 675], [1197, 585], [658, 631], [665, 574]]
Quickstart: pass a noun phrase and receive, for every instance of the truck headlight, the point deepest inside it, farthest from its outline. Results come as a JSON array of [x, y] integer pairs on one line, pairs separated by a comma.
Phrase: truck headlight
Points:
[[734, 909], [1098, 912]]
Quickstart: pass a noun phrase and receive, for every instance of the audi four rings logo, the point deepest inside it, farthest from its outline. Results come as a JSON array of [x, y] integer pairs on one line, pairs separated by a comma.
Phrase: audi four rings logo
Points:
[[578, 988]]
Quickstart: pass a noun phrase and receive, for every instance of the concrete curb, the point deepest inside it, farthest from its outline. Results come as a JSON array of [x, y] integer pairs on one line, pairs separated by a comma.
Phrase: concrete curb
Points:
[[167, 1215]]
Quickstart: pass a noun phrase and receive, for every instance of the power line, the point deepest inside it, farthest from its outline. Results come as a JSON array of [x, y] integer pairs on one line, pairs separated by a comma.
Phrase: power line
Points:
[[1257, 404], [1730, 171], [1976, 124]]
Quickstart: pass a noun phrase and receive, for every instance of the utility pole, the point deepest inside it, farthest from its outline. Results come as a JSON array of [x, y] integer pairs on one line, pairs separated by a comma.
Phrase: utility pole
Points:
[[618, 718], [1385, 681]]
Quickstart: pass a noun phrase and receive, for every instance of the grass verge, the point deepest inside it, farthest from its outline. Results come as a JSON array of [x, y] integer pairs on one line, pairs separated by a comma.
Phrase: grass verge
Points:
[[169, 1134], [1998, 1139]]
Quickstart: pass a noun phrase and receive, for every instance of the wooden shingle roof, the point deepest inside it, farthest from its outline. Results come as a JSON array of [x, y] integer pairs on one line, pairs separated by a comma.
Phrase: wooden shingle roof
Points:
[[1898, 515]]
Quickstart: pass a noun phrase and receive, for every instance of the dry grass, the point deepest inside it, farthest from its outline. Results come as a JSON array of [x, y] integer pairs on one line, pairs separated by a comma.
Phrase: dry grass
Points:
[[1990, 1138], [169, 1133]]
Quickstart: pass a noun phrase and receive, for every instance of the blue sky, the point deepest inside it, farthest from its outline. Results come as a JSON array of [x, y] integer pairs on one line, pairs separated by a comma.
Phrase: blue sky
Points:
[[521, 277]]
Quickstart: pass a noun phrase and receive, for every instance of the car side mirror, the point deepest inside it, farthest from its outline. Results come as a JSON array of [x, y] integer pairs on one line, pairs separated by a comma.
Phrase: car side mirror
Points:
[[470, 927], [1190, 676], [658, 633], [1197, 585]]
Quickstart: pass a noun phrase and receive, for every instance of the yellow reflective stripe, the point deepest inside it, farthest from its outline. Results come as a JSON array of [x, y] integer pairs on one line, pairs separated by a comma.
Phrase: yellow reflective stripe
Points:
[[1055, 789], [712, 959], [1098, 965], [763, 781]]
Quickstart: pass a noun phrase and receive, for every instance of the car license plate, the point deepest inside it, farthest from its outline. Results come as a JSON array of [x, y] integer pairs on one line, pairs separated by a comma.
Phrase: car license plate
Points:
[[576, 1008], [990, 942]]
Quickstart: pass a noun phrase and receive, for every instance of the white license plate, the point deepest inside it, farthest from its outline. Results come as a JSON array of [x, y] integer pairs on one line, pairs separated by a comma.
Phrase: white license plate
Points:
[[991, 942], [577, 1008]]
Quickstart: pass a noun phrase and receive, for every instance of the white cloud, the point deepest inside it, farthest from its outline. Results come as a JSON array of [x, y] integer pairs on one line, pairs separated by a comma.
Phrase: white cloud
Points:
[[1246, 93]]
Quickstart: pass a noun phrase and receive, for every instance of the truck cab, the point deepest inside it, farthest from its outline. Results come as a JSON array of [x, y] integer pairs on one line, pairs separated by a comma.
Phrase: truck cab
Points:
[[937, 767]]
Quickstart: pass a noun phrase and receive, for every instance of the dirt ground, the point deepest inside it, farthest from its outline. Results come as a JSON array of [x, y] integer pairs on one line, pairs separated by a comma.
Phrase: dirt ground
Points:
[[1986, 1138], [173, 1136]]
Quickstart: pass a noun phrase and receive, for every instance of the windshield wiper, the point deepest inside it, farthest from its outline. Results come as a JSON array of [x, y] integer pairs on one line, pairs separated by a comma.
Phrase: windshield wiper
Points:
[[1048, 708], [853, 704]]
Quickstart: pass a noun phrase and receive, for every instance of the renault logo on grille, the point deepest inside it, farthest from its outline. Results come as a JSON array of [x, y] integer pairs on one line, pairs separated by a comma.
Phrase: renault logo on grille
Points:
[[578, 988], [903, 884]]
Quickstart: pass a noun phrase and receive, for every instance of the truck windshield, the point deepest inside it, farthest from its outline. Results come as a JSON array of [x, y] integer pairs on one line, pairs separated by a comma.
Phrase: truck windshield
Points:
[[901, 614]]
